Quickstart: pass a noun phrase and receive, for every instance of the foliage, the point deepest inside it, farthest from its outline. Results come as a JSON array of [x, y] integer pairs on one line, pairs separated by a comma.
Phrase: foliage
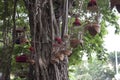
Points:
[[95, 70]]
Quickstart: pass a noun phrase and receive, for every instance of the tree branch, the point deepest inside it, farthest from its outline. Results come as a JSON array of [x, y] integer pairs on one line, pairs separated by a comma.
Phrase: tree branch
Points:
[[26, 3], [65, 19], [14, 22], [54, 21]]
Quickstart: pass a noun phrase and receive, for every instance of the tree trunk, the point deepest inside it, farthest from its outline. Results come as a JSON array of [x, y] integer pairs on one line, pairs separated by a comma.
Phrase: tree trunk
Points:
[[8, 45], [6, 63], [44, 18]]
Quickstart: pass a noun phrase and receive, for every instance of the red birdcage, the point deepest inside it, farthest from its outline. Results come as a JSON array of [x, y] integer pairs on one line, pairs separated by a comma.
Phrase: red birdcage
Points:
[[22, 58]]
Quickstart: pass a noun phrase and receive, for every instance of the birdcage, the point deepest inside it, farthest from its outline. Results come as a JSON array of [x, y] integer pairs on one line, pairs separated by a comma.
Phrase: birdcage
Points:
[[20, 36], [92, 5], [22, 58], [76, 33], [93, 28]]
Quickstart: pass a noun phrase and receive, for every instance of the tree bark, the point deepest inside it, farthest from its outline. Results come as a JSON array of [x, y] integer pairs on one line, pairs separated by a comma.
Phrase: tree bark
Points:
[[44, 26]]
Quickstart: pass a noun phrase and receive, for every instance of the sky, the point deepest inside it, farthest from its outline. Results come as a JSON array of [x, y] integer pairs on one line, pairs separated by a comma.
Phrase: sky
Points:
[[112, 41]]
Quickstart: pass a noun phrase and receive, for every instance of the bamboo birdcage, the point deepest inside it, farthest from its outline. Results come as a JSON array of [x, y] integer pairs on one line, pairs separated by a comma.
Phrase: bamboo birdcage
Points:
[[75, 36], [20, 36]]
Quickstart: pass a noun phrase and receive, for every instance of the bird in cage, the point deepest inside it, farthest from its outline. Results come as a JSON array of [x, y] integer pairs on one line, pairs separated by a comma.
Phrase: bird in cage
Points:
[[92, 5]]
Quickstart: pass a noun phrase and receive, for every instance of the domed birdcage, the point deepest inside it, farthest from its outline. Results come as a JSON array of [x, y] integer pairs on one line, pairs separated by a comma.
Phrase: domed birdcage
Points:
[[75, 35], [93, 28], [20, 36]]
